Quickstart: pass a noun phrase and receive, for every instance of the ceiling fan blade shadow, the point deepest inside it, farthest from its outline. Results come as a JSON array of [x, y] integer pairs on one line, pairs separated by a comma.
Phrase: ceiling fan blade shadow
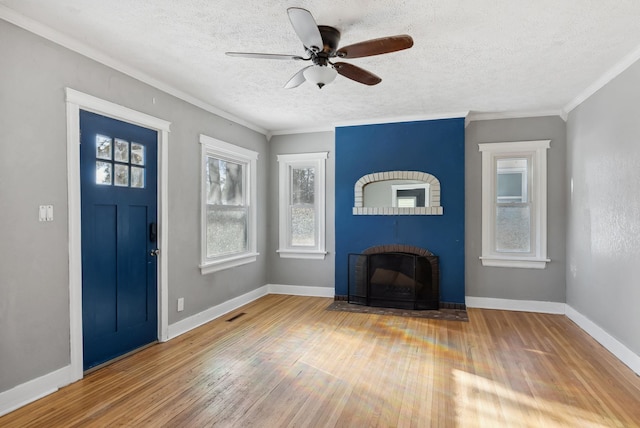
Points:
[[297, 79], [306, 28], [264, 56], [376, 46], [358, 74]]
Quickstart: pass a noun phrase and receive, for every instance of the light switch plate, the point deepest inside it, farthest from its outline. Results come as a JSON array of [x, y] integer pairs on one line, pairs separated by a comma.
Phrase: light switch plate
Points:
[[45, 213]]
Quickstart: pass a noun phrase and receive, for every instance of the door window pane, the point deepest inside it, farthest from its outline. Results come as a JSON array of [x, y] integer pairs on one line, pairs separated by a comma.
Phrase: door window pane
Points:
[[121, 175], [103, 147], [121, 151], [137, 177], [137, 154], [103, 173]]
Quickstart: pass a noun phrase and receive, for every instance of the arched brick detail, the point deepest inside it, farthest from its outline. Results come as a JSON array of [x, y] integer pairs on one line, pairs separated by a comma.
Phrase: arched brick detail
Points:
[[398, 248], [434, 191]]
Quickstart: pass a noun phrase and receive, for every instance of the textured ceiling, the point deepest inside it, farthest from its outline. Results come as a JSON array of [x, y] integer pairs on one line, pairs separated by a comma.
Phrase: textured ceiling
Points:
[[482, 56]]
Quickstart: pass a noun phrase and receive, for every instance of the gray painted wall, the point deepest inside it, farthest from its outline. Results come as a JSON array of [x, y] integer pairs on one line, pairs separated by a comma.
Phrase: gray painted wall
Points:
[[509, 283], [316, 273], [603, 240], [34, 275]]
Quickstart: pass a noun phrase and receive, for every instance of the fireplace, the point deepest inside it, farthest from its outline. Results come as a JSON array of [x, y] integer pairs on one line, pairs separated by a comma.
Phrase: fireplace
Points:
[[396, 276]]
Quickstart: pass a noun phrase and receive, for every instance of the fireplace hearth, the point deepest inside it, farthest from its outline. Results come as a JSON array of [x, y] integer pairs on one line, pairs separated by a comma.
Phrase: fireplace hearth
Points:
[[400, 277]]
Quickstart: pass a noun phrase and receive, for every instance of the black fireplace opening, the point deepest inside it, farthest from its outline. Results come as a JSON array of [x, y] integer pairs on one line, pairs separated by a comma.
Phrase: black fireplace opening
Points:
[[394, 280]]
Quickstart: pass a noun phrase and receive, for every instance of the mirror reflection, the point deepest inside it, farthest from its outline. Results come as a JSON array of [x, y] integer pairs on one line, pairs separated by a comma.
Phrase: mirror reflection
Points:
[[396, 193]]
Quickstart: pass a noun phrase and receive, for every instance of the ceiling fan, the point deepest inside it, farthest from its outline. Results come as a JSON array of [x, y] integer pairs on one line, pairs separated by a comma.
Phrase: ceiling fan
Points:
[[321, 45]]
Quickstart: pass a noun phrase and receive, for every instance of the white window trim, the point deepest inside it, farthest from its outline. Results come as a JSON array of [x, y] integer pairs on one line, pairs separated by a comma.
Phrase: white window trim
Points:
[[249, 158], [537, 150], [318, 161]]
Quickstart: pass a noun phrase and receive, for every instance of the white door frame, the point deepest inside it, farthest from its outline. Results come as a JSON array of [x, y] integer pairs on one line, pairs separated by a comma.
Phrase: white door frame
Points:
[[77, 101]]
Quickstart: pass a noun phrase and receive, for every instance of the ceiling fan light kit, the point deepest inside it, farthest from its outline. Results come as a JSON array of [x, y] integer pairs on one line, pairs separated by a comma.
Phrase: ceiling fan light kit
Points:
[[320, 75], [321, 45]]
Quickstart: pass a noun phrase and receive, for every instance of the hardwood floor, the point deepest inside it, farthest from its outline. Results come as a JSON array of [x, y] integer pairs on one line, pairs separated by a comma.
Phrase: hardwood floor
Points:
[[288, 362]]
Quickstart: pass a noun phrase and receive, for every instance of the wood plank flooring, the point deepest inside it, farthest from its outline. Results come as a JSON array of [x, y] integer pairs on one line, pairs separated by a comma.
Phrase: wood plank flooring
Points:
[[289, 362]]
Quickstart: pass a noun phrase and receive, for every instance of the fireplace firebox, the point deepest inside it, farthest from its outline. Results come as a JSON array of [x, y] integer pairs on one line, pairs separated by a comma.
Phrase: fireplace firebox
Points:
[[394, 279]]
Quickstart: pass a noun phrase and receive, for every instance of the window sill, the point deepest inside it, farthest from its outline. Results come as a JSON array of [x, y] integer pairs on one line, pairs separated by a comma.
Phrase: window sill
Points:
[[227, 263], [301, 254], [515, 262]]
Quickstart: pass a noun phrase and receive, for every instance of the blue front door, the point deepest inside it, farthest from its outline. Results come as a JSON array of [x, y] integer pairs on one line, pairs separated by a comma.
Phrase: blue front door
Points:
[[118, 168]]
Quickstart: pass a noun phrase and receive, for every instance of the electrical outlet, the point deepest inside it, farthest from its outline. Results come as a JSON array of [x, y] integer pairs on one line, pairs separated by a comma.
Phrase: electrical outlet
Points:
[[180, 304]]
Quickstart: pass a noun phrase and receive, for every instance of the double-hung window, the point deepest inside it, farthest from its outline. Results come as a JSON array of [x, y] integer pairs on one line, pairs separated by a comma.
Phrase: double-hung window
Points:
[[514, 204], [302, 205], [228, 205]]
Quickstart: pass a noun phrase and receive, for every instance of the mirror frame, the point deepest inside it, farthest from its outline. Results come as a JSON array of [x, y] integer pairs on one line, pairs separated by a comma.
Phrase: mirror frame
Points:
[[434, 207]]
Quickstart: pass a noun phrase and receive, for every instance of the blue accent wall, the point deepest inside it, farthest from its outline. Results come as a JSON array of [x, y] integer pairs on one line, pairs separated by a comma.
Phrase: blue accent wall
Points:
[[435, 147]]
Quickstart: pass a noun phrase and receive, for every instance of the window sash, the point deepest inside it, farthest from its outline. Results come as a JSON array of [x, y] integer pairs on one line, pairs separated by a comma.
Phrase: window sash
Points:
[[292, 229], [296, 240], [505, 244], [218, 248]]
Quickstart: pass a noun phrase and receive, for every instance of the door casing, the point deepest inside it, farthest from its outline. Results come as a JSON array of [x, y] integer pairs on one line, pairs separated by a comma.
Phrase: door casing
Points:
[[77, 101]]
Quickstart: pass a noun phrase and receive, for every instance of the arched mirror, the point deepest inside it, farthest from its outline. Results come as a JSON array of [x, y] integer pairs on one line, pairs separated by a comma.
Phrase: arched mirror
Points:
[[397, 193]]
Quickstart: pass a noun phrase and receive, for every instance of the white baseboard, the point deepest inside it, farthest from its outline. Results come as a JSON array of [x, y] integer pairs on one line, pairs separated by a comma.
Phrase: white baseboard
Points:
[[33, 390], [301, 290], [210, 314], [613, 345], [515, 305], [214, 312]]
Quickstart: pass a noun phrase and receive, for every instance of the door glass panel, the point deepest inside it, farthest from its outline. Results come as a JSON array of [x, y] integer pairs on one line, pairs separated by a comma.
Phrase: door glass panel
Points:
[[137, 177], [103, 173], [137, 154], [121, 175], [103, 147], [121, 151]]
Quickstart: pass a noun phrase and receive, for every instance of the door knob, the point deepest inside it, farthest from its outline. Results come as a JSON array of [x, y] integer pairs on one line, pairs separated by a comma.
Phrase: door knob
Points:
[[155, 252]]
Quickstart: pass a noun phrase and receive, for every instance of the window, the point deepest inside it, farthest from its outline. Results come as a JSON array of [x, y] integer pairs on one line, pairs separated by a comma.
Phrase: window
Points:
[[514, 204], [228, 205], [302, 205]]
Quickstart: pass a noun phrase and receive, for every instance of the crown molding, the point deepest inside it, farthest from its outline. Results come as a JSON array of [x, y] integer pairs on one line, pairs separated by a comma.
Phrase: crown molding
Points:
[[293, 131], [361, 122], [607, 77], [478, 116], [72, 44], [397, 119]]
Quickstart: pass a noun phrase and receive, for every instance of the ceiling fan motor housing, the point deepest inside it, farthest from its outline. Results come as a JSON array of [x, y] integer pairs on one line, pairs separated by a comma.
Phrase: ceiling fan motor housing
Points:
[[330, 40]]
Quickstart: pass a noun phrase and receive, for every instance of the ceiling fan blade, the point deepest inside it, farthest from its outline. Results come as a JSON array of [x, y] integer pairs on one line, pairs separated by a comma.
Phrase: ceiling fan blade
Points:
[[376, 46], [306, 28], [297, 79], [358, 74], [263, 55]]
